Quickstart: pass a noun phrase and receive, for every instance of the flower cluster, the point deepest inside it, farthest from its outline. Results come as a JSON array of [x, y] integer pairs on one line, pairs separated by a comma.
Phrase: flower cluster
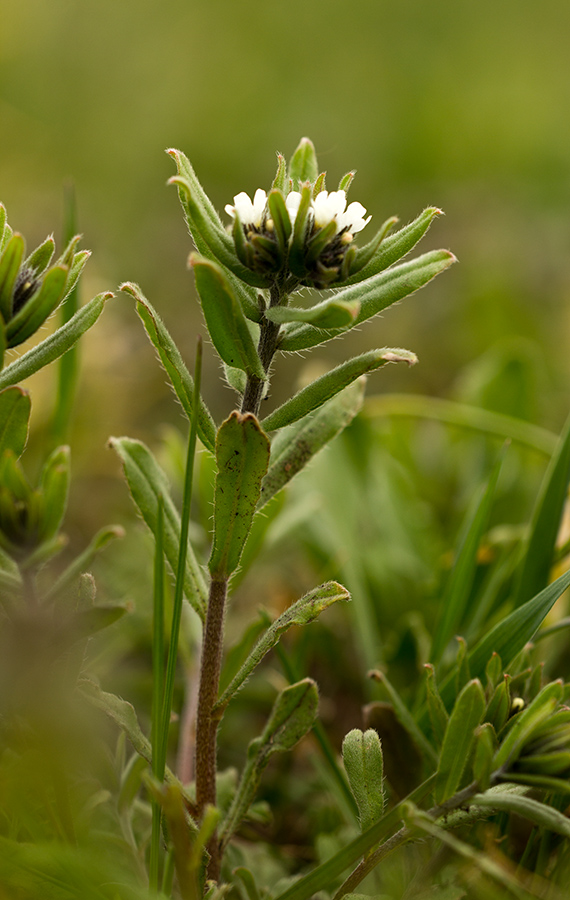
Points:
[[318, 225], [327, 207], [32, 287]]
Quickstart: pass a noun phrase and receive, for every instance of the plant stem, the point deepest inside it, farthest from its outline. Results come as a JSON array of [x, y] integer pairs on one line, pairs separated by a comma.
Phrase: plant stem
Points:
[[206, 722], [269, 333]]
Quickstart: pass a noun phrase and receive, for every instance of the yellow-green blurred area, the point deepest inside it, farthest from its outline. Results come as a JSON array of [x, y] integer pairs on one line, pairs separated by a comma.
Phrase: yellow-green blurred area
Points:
[[461, 105]]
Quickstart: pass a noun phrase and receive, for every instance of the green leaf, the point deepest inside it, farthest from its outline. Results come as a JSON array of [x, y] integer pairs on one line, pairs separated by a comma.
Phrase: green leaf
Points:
[[10, 263], [242, 455], [437, 712], [54, 487], [173, 364], [362, 757], [3, 227], [325, 387], [82, 562], [346, 181], [508, 801], [328, 872], [395, 246], [225, 318], [15, 409], [36, 310], [89, 621], [212, 236], [280, 180], [303, 165], [293, 714], [536, 564], [375, 295], [56, 344], [304, 611], [525, 722], [460, 581], [281, 219], [331, 313], [123, 714], [499, 705], [248, 881], [41, 257], [510, 635], [246, 294], [299, 238], [293, 447], [147, 482], [458, 741], [363, 255], [485, 744], [461, 415]]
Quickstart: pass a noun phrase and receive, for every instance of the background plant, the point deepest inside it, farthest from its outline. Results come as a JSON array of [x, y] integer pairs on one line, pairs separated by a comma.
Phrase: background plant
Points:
[[464, 739]]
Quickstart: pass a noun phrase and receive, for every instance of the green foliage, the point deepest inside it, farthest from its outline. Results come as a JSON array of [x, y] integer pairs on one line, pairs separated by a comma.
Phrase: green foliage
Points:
[[455, 748]]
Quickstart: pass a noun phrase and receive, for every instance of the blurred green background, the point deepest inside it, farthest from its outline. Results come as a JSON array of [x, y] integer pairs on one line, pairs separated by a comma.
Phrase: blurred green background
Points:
[[461, 105]]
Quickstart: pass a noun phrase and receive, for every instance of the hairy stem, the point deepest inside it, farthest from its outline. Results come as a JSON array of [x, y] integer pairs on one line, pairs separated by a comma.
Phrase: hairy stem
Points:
[[206, 722], [269, 333]]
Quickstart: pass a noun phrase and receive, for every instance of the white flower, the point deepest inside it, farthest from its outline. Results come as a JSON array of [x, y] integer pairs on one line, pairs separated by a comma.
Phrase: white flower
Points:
[[332, 206], [292, 201], [249, 213]]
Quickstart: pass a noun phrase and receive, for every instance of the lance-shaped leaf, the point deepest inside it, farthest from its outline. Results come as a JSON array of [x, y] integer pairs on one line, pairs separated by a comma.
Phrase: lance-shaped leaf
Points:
[[35, 311], [305, 610], [300, 229], [393, 247], [56, 344], [280, 180], [293, 447], [293, 714], [458, 587], [547, 817], [173, 364], [303, 165], [14, 416], [363, 255], [124, 715], [216, 238], [10, 263], [331, 313], [242, 455], [3, 227], [364, 764], [510, 635], [54, 488], [485, 743], [41, 257], [325, 387], [437, 712], [458, 741], [147, 482], [535, 568], [245, 292], [375, 294], [225, 318], [280, 218]]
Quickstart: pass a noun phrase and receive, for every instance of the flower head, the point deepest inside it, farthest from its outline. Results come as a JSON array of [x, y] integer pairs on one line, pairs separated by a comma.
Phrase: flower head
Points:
[[248, 213]]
